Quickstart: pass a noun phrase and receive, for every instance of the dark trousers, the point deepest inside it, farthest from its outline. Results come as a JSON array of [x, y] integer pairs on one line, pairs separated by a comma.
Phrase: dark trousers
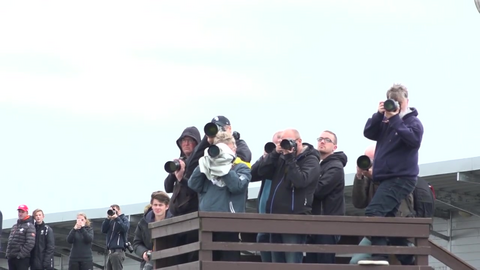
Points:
[[184, 239], [220, 255], [83, 265], [115, 259], [385, 203], [265, 255], [324, 258], [18, 264]]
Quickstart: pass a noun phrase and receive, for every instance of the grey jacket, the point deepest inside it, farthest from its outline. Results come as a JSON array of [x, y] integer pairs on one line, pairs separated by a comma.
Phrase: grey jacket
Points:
[[229, 198]]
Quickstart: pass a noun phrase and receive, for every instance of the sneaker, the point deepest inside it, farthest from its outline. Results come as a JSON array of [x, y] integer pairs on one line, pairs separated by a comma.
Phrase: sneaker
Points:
[[373, 262]]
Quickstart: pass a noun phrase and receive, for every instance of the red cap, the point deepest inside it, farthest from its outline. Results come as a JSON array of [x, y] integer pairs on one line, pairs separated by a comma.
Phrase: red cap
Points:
[[23, 207]]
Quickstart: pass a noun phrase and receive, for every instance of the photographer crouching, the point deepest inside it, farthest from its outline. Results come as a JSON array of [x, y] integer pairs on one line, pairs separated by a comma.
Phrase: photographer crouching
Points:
[[116, 227], [221, 186]]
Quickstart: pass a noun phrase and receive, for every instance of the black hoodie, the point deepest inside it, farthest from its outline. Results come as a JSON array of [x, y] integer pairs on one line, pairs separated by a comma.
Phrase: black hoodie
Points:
[[293, 180], [329, 199], [184, 200]]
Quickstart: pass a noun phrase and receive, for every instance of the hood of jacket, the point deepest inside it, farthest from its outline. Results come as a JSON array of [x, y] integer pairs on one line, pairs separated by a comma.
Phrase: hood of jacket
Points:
[[191, 132], [308, 150], [149, 216], [340, 156]]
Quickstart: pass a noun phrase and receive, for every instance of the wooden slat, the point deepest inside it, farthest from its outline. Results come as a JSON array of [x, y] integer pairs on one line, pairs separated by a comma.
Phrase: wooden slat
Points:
[[347, 219], [170, 252], [339, 249], [448, 258], [173, 220], [303, 266], [185, 266], [183, 226], [327, 228]]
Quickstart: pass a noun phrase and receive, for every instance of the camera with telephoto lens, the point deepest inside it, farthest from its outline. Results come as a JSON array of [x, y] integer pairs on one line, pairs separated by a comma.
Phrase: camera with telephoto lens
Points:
[[172, 166], [269, 147], [364, 162], [211, 129], [288, 144], [111, 212], [129, 247], [213, 151], [391, 105]]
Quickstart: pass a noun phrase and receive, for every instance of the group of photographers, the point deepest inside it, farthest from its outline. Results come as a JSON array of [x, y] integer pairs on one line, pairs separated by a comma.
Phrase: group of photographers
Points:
[[213, 173]]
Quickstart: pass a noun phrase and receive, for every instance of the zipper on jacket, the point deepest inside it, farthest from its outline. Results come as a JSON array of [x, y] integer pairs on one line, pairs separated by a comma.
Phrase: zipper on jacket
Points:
[[275, 192], [111, 234], [293, 198]]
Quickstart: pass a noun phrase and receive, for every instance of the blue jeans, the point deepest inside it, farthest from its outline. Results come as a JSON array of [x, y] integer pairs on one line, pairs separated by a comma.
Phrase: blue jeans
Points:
[[324, 258], [265, 255], [385, 203], [287, 257]]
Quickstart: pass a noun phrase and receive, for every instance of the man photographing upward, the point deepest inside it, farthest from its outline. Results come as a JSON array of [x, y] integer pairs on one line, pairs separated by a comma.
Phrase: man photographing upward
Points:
[[116, 227], [398, 133]]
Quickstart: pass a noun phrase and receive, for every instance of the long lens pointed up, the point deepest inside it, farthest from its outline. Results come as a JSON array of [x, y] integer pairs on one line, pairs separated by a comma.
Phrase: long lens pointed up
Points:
[[288, 144], [364, 162], [390, 105], [211, 129], [213, 151], [171, 166], [269, 147]]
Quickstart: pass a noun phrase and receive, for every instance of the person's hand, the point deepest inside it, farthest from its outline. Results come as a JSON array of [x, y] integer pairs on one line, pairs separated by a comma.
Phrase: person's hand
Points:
[[278, 149], [368, 173], [286, 152], [210, 139], [114, 216], [145, 257], [388, 115], [179, 173], [381, 109], [77, 226], [365, 173], [359, 173]]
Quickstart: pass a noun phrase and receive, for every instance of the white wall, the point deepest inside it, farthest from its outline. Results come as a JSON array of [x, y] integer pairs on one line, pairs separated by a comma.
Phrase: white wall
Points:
[[465, 241]]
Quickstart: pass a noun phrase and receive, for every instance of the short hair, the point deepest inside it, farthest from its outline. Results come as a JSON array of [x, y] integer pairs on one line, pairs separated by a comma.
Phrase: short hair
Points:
[[115, 206], [161, 196], [397, 92], [36, 211], [335, 140], [224, 137]]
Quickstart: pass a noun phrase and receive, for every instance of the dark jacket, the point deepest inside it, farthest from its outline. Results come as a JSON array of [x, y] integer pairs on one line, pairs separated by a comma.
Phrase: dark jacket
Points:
[[243, 151], [81, 241], [42, 254], [293, 180], [142, 241], [184, 200], [22, 239], [1, 229], [328, 198], [424, 200], [116, 231], [263, 193], [398, 141]]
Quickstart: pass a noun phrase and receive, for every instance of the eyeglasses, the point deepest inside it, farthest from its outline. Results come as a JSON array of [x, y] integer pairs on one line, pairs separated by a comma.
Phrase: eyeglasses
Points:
[[327, 140]]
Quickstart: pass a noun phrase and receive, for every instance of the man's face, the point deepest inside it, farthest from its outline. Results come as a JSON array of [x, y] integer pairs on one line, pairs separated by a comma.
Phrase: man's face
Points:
[[117, 210], [326, 143], [159, 208], [22, 214], [277, 138], [228, 129], [39, 217], [187, 144]]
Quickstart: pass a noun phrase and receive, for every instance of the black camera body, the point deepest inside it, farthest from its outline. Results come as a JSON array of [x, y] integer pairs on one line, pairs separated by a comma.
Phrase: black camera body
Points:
[[288, 144], [391, 105], [172, 166], [111, 212], [269, 147], [129, 247], [211, 129], [364, 162]]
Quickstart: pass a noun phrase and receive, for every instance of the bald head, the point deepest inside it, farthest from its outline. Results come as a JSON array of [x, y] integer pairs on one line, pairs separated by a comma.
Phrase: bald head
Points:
[[290, 134], [277, 137], [370, 151]]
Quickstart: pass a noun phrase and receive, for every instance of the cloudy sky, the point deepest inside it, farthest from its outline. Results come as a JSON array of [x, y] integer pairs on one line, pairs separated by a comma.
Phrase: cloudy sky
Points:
[[93, 96]]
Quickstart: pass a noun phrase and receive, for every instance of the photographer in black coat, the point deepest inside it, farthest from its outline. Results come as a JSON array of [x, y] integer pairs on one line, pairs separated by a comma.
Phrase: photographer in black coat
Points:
[[41, 257]]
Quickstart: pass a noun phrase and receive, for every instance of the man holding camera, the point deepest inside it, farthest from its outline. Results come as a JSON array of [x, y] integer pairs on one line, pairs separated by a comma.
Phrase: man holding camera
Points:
[[116, 227], [398, 133], [294, 170]]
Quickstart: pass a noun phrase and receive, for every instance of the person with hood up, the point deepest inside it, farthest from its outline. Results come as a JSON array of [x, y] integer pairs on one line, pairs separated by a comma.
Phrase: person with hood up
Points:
[[184, 200], [142, 241], [21, 241], [294, 174], [222, 187], [328, 198], [81, 238]]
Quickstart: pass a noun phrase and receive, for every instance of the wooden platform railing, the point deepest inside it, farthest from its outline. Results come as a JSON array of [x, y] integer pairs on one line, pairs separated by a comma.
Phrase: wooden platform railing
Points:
[[164, 232]]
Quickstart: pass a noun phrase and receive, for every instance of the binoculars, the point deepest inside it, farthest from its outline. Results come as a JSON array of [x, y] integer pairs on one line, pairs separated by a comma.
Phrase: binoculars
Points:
[[364, 162]]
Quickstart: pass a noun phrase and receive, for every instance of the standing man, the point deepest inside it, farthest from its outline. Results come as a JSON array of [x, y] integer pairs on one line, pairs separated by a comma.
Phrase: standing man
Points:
[[294, 171], [116, 227], [21, 241], [42, 254], [398, 133], [328, 199]]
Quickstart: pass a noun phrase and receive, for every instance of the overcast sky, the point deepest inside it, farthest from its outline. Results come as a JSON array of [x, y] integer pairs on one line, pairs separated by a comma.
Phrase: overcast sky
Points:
[[94, 95]]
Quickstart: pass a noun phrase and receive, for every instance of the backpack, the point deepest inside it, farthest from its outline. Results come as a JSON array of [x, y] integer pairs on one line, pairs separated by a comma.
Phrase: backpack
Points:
[[424, 199]]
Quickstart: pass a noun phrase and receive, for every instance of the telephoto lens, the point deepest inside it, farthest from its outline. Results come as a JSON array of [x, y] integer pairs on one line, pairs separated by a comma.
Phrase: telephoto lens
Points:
[[111, 212], [213, 151], [172, 166], [211, 129], [288, 144], [269, 147], [390, 105], [364, 162]]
